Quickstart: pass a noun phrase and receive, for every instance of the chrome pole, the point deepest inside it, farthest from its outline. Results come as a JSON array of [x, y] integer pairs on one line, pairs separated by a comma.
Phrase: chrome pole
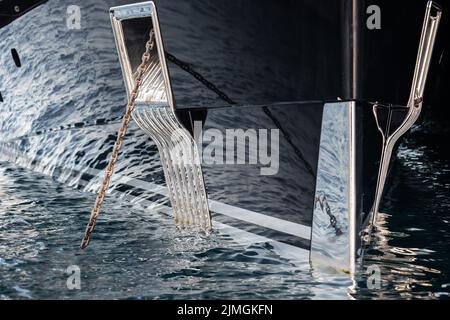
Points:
[[431, 21]]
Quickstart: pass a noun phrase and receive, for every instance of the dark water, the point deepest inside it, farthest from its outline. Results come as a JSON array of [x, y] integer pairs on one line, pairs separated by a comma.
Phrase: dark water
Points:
[[412, 242], [139, 254]]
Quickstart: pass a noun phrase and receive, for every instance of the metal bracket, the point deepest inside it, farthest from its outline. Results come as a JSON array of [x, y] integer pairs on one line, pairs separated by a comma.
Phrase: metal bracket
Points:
[[391, 133], [155, 114], [334, 234]]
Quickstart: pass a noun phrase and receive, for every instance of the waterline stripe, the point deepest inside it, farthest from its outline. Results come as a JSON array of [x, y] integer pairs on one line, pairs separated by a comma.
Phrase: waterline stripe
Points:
[[143, 194], [263, 220], [260, 219], [292, 228], [262, 231], [297, 255]]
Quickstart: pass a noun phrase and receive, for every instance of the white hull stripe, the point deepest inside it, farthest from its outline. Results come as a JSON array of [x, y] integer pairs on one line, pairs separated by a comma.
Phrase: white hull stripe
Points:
[[292, 228], [295, 254]]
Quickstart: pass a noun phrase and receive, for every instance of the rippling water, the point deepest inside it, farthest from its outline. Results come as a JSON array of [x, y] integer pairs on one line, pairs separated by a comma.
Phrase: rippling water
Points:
[[136, 254], [140, 254]]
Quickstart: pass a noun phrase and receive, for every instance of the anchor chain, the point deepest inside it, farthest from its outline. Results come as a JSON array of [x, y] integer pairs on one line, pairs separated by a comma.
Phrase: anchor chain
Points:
[[119, 140]]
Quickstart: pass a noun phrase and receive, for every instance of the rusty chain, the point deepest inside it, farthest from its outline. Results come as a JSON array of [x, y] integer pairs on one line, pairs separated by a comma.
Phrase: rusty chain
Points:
[[119, 140], [325, 207]]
